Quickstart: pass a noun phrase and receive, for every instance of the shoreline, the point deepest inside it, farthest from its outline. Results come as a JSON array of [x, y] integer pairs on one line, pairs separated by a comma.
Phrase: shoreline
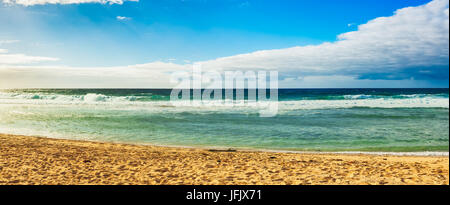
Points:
[[376, 153], [40, 160]]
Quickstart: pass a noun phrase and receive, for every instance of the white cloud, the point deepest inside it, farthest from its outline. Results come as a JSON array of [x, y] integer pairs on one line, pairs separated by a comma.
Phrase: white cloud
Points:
[[123, 18], [42, 2], [150, 75], [8, 58], [412, 37]]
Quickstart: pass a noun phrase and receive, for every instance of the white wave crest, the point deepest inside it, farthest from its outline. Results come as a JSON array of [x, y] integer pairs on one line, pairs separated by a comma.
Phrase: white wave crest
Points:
[[100, 99], [369, 103]]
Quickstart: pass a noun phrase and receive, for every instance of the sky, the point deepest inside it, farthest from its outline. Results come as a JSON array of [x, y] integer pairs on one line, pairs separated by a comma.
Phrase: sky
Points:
[[139, 43]]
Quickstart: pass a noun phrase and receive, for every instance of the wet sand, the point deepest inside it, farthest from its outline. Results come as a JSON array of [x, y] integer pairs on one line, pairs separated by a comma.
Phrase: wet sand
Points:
[[36, 160]]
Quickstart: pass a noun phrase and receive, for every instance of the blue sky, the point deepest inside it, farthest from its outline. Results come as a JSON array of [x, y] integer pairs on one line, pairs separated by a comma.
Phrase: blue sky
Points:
[[182, 32]]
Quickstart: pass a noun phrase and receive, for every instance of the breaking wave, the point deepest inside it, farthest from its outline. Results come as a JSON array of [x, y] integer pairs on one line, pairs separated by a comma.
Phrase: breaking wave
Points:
[[343, 101]]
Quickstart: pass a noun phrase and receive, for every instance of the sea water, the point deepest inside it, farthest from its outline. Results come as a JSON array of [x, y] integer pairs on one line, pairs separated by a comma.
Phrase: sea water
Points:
[[328, 120]]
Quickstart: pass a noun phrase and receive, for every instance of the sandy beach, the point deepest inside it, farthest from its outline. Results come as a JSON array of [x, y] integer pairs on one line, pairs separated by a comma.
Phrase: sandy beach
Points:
[[37, 160]]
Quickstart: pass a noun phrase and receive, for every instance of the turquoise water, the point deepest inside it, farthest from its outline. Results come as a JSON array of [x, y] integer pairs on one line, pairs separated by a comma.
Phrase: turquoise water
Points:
[[380, 120]]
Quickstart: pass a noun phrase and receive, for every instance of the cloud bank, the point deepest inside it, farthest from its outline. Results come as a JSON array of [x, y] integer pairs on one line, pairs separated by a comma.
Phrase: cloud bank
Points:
[[42, 2], [413, 44]]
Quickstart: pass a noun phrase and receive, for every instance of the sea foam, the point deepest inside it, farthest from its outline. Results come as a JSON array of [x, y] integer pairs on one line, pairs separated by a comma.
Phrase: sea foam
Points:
[[349, 101]]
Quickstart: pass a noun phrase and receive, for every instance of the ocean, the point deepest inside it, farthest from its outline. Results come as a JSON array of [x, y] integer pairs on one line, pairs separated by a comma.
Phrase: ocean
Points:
[[317, 120]]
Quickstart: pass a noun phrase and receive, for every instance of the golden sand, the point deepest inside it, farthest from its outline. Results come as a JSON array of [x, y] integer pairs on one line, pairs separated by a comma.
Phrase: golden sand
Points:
[[35, 160]]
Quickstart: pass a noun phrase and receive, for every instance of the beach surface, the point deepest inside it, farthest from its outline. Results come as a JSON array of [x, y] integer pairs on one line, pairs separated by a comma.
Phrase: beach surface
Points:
[[37, 160]]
